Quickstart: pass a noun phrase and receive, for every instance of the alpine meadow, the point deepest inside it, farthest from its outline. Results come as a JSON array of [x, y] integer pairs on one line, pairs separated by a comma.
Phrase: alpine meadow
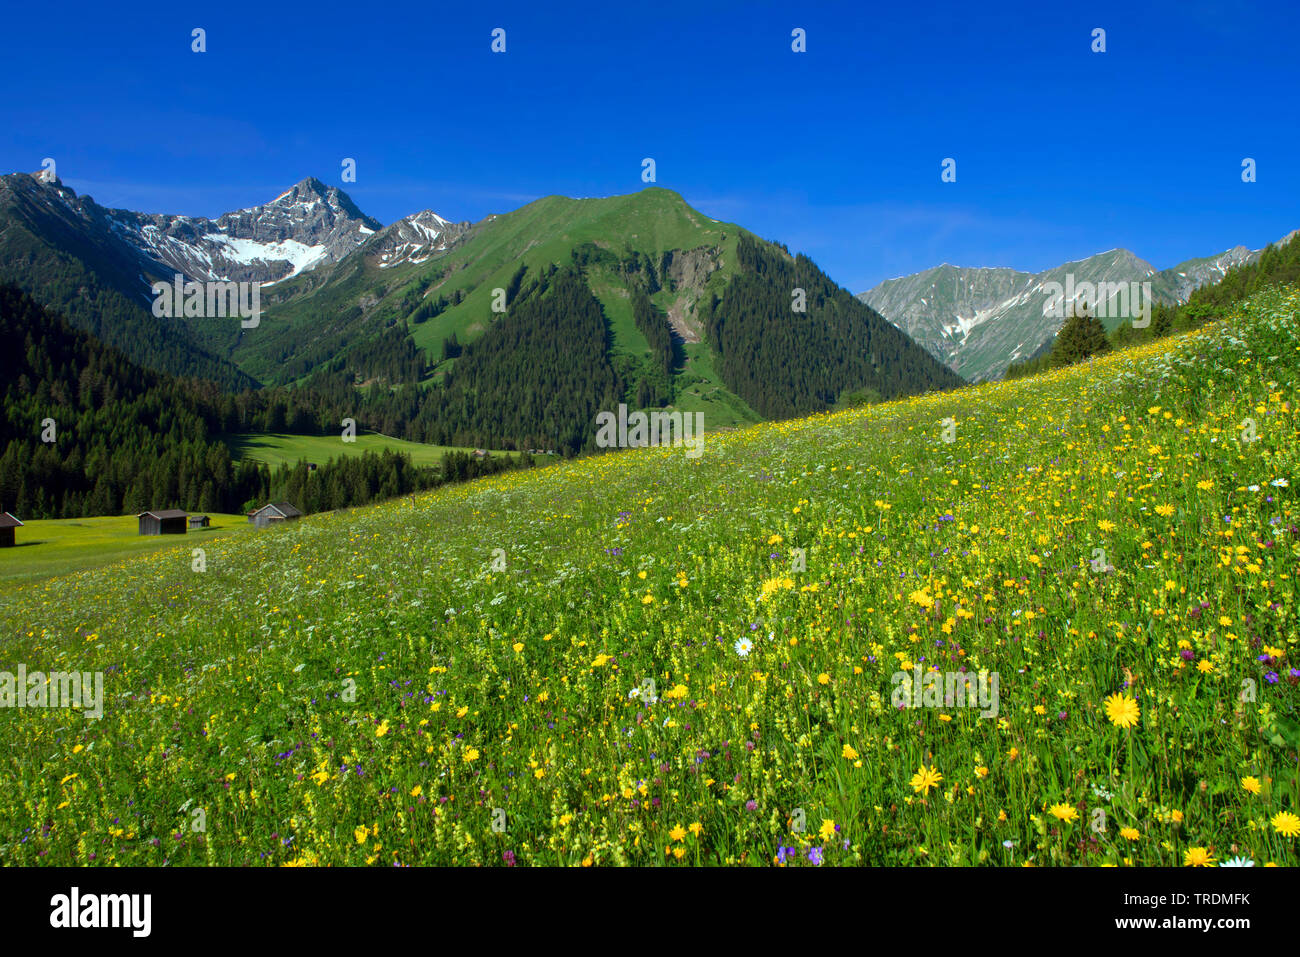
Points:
[[708, 436]]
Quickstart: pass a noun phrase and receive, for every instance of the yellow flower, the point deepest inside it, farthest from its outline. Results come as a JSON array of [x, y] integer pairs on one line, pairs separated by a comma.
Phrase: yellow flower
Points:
[[471, 754], [1164, 510], [601, 661], [1198, 857], [1129, 833], [1064, 812], [382, 729], [518, 646], [1251, 784], [823, 679], [678, 833], [696, 828], [1122, 710], [462, 711], [1286, 824], [925, 779], [827, 830], [848, 752], [1106, 525], [417, 791], [361, 833]]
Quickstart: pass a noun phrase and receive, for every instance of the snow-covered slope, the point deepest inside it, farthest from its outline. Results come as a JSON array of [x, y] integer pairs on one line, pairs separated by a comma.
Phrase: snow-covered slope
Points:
[[300, 229]]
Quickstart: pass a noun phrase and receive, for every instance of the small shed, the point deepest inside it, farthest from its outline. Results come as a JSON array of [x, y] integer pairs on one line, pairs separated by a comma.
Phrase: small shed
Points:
[[7, 525], [168, 521], [199, 521], [272, 513]]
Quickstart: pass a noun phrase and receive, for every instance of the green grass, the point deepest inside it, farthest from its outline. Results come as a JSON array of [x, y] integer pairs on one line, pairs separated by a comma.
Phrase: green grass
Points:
[[49, 547], [656, 675], [276, 449]]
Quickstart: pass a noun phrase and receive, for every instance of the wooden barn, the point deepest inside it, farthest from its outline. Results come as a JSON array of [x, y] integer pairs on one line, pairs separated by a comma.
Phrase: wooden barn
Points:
[[199, 521], [7, 525], [272, 513], [169, 521]]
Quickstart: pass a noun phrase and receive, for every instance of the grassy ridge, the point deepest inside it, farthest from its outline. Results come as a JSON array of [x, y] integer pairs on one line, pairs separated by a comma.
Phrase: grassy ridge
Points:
[[364, 688], [275, 449]]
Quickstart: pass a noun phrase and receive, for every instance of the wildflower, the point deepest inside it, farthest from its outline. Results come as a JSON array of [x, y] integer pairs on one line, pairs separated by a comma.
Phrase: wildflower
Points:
[[743, 647], [678, 833], [925, 779], [1130, 833], [1286, 824], [1251, 784], [827, 830], [1238, 862], [848, 752], [1064, 812], [1122, 710], [1198, 857]]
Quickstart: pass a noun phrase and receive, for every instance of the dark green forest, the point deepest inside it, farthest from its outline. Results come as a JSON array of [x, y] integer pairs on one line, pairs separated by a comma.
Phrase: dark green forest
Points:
[[127, 439], [786, 363]]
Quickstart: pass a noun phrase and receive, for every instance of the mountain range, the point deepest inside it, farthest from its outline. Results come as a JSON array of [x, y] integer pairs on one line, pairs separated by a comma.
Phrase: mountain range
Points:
[[977, 321], [651, 303]]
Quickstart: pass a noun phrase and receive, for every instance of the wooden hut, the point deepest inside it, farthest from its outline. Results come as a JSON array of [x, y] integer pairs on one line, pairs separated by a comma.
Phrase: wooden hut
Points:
[[168, 521], [199, 521], [273, 513], [7, 525]]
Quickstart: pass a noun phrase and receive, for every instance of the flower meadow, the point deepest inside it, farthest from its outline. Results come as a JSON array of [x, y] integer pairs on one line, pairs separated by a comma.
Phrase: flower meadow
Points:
[[690, 661]]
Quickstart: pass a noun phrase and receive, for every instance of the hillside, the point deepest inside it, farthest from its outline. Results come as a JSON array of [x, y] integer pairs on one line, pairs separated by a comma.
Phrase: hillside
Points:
[[693, 660]]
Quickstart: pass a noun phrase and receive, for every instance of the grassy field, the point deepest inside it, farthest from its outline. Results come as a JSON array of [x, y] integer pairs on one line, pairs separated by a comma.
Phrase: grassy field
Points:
[[275, 449], [48, 547], [695, 660]]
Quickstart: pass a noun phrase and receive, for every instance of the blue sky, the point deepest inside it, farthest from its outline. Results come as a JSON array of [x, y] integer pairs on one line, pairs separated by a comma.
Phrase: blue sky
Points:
[[1061, 152]]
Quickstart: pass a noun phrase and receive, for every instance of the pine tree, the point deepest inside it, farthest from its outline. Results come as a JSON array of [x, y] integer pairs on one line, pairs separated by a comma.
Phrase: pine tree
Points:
[[1082, 336]]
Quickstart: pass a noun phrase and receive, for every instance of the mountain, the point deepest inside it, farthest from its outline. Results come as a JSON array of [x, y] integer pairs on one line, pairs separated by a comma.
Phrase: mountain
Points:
[[72, 255], [979, 320], [307, 225], [684, 319], [414, 239], [408, 327]]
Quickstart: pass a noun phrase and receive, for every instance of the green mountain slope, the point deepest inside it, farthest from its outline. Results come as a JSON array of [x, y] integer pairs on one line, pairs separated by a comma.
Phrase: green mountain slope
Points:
[[664, 277]]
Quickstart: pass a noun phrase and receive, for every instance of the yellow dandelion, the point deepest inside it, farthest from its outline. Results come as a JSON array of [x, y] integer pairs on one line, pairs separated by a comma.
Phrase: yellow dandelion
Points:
[[1286, 824], [1122, 710]]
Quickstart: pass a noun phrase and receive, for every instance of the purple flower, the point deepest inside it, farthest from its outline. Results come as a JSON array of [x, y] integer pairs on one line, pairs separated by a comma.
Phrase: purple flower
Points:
[[751, 805], [815, 855]]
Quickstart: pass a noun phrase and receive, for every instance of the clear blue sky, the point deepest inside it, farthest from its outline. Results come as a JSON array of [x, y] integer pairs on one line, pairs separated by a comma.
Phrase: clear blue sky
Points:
[[836, 152]]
